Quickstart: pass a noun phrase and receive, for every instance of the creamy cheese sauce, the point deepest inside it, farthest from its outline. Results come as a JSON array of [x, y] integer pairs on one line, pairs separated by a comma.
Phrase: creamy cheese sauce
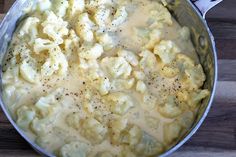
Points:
[[161, 109], [139, 19]]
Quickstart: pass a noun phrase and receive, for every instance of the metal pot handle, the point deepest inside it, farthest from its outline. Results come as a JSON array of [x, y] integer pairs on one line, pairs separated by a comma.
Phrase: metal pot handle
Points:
[[205, 5]]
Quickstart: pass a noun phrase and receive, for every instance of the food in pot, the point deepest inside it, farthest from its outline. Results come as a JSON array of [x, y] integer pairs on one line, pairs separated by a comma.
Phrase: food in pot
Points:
[[102, 78]]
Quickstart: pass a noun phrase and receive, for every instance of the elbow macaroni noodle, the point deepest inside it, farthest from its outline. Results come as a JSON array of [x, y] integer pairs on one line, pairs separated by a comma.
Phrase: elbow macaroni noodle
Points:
[[72, 74]]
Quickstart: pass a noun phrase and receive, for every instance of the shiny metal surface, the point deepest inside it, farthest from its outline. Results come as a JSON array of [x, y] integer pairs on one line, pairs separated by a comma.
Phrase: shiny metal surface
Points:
[[205, 5], [186, 13], [7, 27]]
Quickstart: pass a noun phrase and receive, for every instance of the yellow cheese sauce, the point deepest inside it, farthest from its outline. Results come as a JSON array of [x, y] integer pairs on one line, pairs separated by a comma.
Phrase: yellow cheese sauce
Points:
[[100, 78]]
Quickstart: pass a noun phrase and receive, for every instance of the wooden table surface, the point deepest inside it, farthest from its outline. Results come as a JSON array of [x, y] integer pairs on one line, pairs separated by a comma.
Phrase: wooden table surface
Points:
[[217, 136]]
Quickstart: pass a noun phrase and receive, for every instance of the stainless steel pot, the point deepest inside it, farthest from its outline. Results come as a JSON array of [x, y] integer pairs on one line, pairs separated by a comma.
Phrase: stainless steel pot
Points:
[[188, 13]]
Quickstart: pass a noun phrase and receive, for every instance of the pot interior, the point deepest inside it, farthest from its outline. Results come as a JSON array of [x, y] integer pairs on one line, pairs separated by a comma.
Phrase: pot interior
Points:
[[184, 13]]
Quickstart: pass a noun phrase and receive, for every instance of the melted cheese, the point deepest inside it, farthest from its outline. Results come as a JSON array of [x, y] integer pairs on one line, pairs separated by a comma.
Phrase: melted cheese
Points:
[[116, 82]]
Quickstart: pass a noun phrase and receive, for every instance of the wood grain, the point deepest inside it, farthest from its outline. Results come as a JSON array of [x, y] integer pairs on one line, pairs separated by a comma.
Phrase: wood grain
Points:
[[1, 6], [7, 4], [225, 11], [223, 30], [217, 136], [226, 48], [227, 70], [204, 153]]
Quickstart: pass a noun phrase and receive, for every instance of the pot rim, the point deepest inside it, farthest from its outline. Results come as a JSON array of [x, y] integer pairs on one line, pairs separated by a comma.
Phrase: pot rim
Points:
[[43, 152], [213, 90]]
